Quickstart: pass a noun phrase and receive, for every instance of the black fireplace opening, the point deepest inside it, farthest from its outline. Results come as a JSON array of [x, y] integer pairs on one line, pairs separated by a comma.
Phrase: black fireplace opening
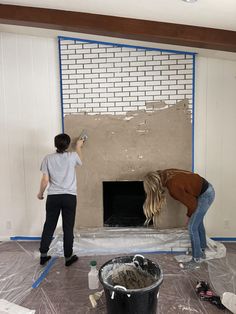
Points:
[[123, 203]]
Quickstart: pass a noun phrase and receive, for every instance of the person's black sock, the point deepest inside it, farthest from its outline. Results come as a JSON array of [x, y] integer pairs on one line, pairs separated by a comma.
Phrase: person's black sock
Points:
[[44, 259], [70, 261]]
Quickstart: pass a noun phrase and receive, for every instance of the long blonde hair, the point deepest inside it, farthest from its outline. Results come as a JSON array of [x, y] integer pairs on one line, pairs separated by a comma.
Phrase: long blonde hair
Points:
[[154, 187]]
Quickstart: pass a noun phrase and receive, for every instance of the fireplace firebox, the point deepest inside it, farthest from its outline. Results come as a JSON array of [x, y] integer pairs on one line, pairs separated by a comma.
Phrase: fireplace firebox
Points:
[[123, 203]]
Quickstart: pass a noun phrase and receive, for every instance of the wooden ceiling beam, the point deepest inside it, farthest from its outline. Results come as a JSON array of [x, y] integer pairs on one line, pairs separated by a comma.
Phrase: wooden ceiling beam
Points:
[[136, 29]]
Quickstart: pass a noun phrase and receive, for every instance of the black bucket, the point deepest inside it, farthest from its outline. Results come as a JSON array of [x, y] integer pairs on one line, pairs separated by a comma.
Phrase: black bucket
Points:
[[131, 296]]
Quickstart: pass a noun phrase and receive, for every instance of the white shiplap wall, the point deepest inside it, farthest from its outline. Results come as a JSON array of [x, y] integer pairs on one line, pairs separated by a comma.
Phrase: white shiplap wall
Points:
[[215, 132], [29, 119]]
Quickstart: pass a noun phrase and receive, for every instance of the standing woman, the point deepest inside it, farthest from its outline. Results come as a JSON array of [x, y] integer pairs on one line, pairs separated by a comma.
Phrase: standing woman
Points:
[[58, 173], [191, 190]]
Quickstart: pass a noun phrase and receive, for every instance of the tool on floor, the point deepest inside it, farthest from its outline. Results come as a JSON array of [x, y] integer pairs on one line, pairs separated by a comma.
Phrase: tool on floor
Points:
[[95, 297], [206, 294]]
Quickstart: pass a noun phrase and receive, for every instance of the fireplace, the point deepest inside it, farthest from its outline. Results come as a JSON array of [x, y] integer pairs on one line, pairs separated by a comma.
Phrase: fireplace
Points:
[[123, 203]]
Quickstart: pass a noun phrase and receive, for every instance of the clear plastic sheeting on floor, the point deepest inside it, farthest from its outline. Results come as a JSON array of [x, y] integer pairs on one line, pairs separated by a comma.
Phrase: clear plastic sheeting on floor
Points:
[[18, 271], [222, 274], [102, 241], [11, 308], [214, 250]]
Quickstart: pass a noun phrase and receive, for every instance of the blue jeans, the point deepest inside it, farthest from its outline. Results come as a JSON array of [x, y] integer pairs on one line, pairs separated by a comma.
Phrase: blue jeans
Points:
[[195, 226]]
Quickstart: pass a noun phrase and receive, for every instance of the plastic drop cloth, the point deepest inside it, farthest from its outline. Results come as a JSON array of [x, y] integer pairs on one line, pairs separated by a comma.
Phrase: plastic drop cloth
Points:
[[103, 241], [214, 250], [222, 274], [18, 271]]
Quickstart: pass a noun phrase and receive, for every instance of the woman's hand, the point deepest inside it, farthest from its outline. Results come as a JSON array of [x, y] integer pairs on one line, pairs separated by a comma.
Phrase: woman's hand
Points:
[[40, 196]]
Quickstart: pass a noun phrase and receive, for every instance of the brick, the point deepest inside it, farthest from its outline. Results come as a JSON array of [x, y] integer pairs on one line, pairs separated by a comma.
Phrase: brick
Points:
[[160, 67], [106, 55], [184, 81], [130, 89], [122, 54], [82, 51], [137, 73], [115, 79], [160, 58], [106, 65], [115, 99], [130, 69], [136, 83], [144, 88], [177, 56], [99, 90], [114, 70], [107, 85], [168, 72], [93, 95], [67, 52], [115, 89], [115, 109], [160, 87], [121, 64], [67, 62], [98, 50], [69, 101], [176, 87], [75, 57], [153, 72], [138, 93], [145, 78], [107, 95], [185, 92], [68, 72], [129, 59], [170, 82], [91, 66], [122, 74], [106, 75], [152, 93], [186, 61], [99, 109], [177, 77], [98, 60], [76, 66], [92, 85], [137, 53], [168, 62], [91, 56], [75, 86], [177, 67], [168, 92]]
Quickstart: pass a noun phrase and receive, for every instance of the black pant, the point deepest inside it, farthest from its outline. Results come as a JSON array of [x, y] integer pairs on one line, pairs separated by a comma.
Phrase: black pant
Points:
[[65, 203]]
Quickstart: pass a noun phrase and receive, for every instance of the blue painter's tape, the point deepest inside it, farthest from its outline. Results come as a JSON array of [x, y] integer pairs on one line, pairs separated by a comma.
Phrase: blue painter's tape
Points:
[[222, 239], [45, 272], [124, 45], [193, 113], [21, 238], [61, 94]]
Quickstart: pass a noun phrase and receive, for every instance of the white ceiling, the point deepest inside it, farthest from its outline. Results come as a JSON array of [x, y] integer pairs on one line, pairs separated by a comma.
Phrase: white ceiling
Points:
[[209, 13]]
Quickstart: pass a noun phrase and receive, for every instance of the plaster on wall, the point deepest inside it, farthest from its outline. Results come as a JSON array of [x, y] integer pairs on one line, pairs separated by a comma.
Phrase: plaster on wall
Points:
[[126, 148]]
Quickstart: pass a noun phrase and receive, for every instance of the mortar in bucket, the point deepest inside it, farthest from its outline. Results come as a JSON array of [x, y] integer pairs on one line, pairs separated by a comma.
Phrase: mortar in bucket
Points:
[[131, 285]]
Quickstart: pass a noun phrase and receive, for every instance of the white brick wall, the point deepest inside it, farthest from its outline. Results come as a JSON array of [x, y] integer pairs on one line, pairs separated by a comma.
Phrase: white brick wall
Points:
[[105, 79]]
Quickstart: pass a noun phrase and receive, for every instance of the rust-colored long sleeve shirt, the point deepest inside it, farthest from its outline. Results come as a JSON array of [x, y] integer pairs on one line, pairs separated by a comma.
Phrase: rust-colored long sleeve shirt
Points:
[[186, 187]]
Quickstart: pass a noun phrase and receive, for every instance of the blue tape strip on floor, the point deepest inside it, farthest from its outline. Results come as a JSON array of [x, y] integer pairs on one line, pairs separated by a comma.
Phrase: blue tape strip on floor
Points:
[[18, 238], [224, 239], [45, 272]]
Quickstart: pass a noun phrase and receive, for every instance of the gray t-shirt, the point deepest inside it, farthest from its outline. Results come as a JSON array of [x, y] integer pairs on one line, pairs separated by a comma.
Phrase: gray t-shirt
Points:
[[61, 171]]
